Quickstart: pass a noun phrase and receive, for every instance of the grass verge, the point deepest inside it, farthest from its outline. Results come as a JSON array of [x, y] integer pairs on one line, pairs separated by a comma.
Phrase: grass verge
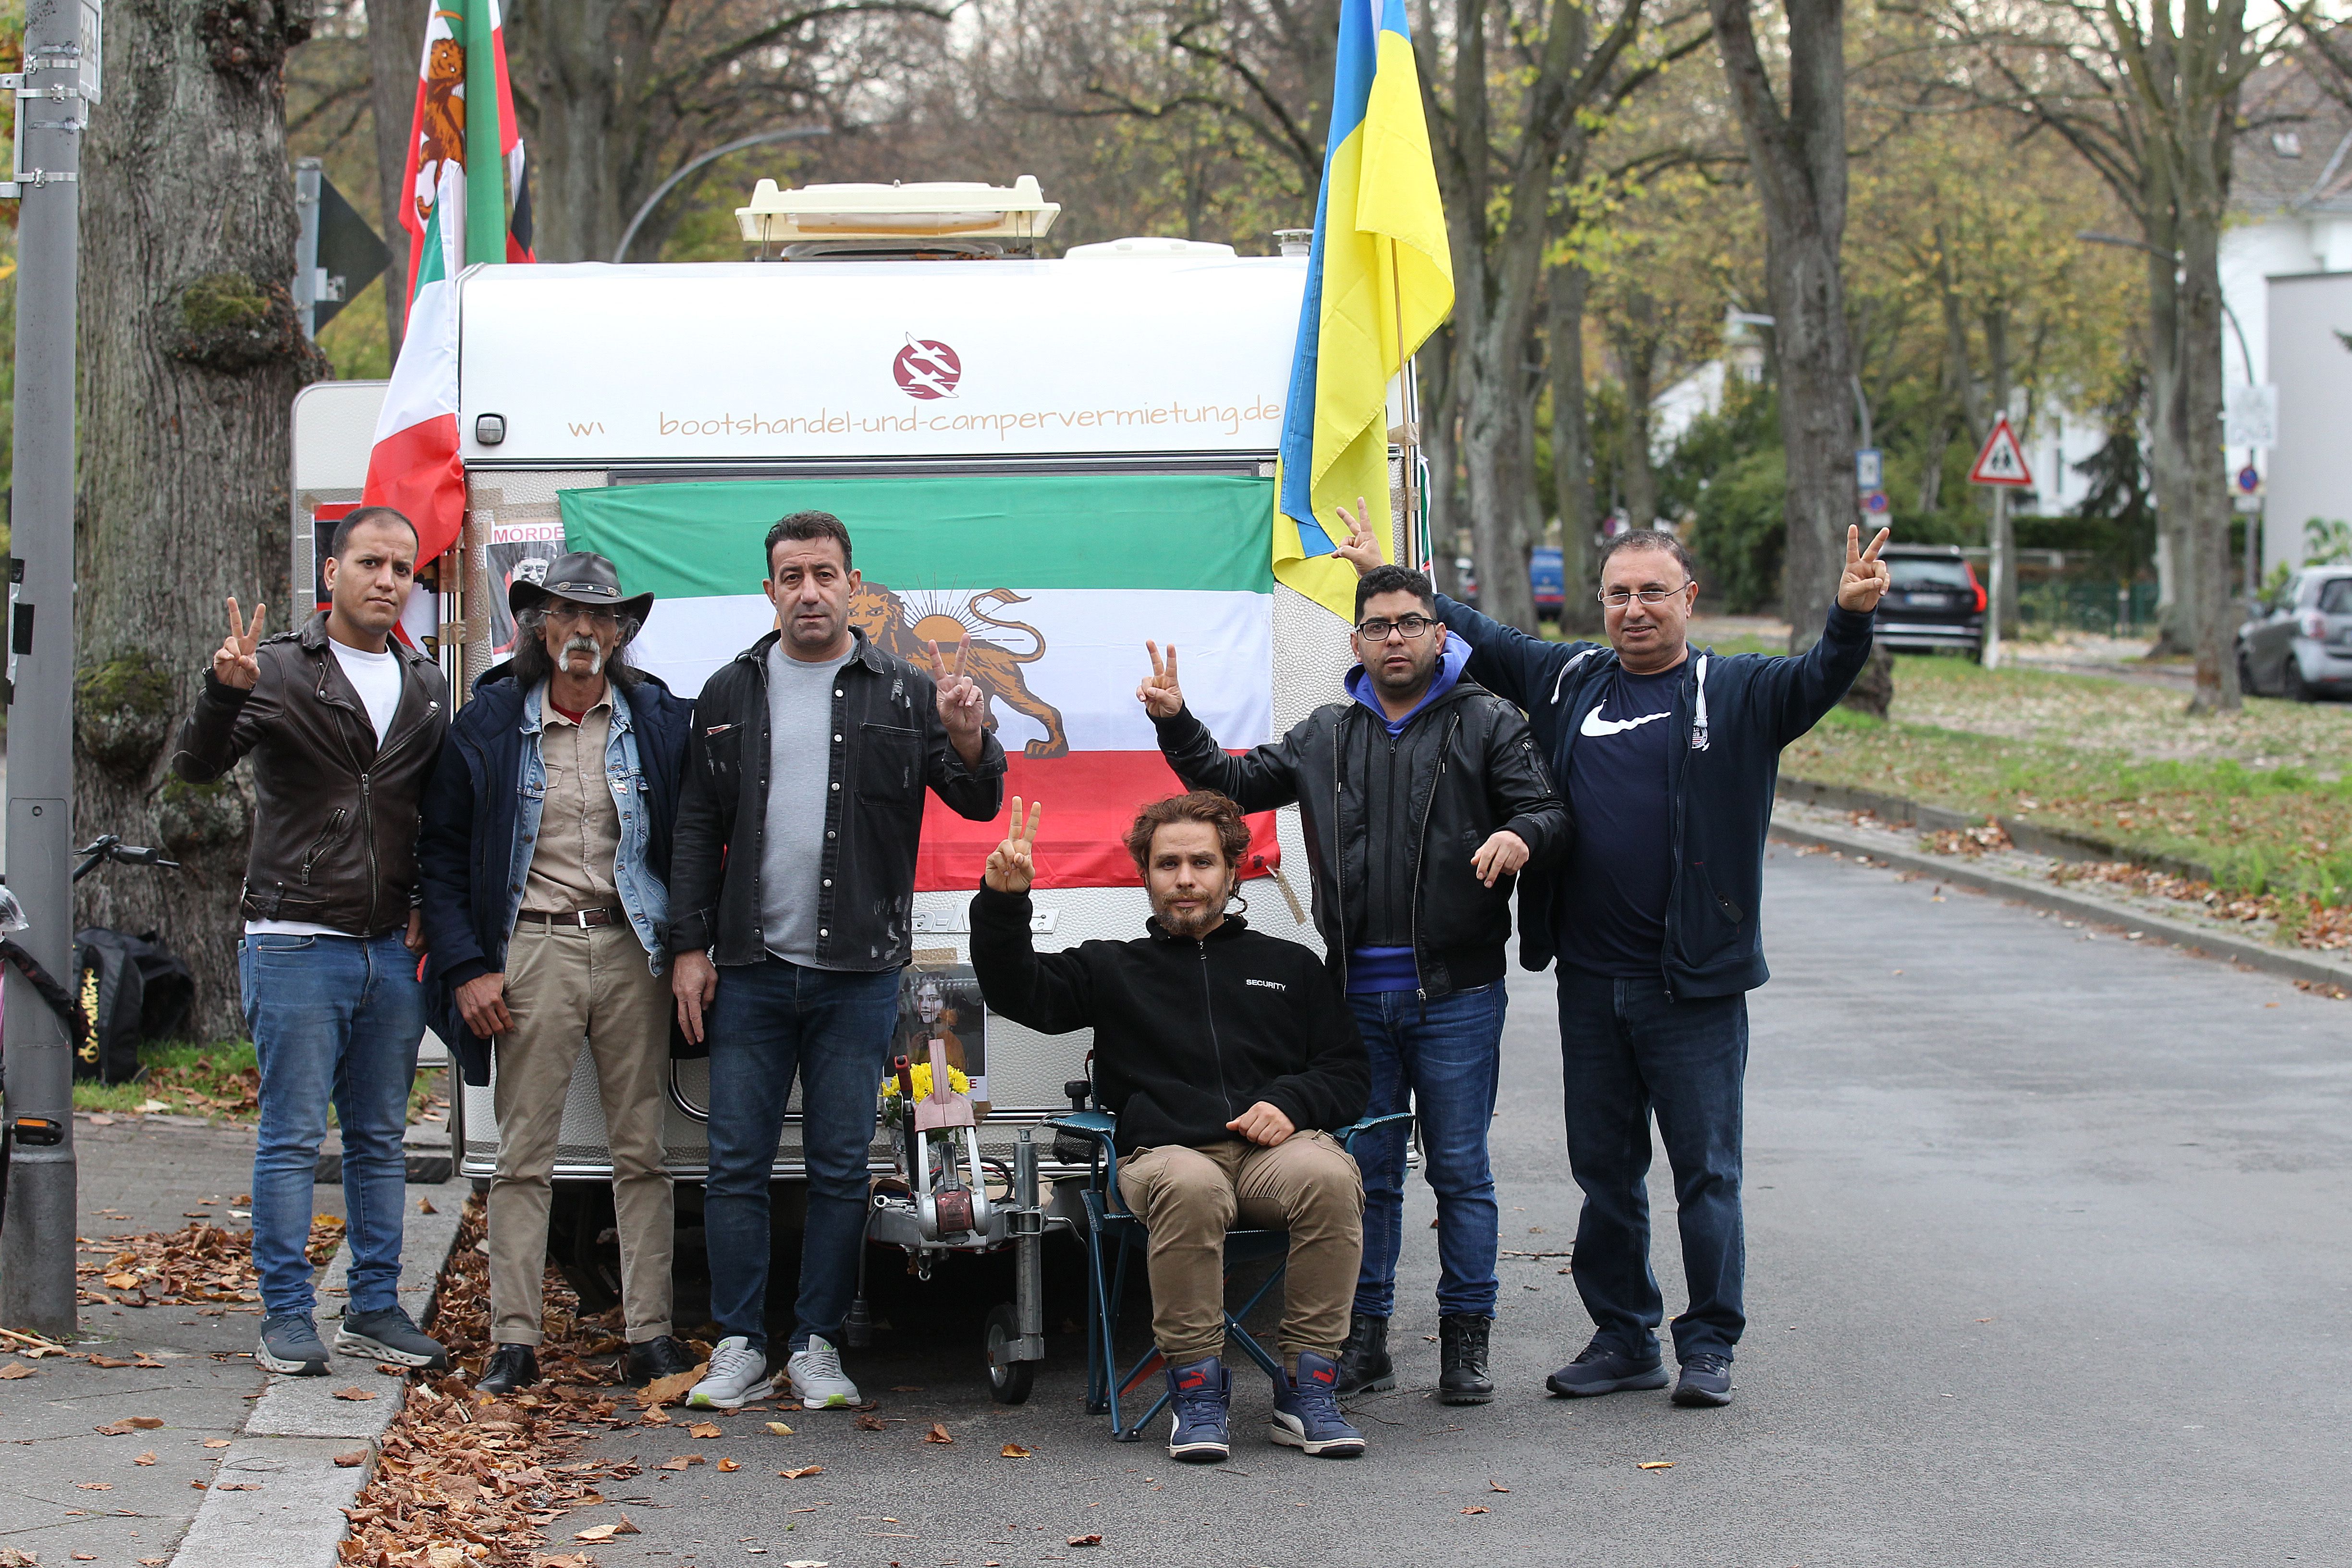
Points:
[[220, 1081]]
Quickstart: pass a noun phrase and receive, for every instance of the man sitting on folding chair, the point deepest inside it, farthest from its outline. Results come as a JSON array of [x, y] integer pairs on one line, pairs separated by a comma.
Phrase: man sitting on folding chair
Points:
[[1228, 1060]]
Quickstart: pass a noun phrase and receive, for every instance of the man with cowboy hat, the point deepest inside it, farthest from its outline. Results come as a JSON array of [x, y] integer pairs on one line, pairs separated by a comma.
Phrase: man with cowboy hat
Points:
[[545, 861]]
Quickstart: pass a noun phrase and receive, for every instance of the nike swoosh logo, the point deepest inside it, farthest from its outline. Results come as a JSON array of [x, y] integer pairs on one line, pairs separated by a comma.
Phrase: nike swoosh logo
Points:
[[1594, 724]]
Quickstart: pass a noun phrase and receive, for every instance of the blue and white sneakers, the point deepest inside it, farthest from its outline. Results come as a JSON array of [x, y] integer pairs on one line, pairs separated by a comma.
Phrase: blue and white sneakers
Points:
[[1198, 1395], [1306, 1412]]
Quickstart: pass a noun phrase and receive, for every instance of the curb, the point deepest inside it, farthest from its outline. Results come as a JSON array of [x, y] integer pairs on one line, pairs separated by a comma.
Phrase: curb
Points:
[[296, 1430], [2201, 940]]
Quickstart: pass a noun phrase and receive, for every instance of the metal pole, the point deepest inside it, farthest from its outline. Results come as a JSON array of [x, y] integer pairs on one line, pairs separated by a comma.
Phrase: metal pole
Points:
[[306, 245], [796, 133], [36, 1251], [1994, 604]]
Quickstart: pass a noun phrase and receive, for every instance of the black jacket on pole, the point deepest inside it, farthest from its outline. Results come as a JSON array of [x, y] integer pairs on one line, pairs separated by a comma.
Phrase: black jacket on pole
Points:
[[1188, 1034]]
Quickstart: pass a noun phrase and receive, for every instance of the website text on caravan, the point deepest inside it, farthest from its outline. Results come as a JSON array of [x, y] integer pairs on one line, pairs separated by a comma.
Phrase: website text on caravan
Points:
[[1228, 418]]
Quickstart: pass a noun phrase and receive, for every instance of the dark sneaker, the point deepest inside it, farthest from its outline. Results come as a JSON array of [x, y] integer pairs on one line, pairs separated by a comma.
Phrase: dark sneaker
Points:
[[509, 1367], [660, 1356], [1462, 1359], [1706, 1380], [390, 1335], [1364, 1364], [1198, 1395], [1306, 1412], [1602, 1370], [290, 1344]]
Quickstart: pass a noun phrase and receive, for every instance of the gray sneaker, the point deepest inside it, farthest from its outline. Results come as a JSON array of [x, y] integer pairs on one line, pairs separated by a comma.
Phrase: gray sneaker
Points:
[[390, 1335], [738, 1374], [290, 1344]]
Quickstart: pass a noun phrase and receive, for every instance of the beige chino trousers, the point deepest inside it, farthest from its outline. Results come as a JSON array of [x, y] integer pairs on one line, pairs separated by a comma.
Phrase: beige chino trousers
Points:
[[1189, 1197], [563, 982]]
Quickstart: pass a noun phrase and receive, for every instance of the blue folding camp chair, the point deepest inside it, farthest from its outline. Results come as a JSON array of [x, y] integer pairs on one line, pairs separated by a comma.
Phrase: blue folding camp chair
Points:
[[1110, 1224]]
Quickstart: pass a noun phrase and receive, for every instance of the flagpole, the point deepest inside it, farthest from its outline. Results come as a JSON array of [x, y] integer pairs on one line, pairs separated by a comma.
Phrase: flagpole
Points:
[[1408, 551]]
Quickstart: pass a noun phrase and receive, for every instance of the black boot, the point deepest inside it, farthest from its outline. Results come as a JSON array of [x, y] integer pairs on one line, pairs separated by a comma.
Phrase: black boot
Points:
[[660, 1356], [1364, 1364], [510, 1367], [1462, 1359]]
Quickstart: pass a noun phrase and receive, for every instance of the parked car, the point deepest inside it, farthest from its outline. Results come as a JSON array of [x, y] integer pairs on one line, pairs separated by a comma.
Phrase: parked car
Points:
[[1934, 601], [2298, 643], [1545, 577]]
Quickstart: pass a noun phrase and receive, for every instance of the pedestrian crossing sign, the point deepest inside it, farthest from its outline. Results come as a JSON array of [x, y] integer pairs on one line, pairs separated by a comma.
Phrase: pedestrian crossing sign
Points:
[[2002, 461]]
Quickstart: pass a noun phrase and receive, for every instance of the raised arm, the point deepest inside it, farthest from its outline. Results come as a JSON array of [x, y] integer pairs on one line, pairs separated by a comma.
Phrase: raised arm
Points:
[[964, 763], [1259, 779], [236, 708], [1051, 992], [1797, 691]]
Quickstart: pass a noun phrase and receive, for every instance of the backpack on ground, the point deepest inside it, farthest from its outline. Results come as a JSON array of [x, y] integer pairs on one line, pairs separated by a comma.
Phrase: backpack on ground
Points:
[[132, 989]]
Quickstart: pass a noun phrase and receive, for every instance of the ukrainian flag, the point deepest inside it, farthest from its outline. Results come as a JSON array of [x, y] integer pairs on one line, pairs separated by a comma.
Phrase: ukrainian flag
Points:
[[1379, 279]]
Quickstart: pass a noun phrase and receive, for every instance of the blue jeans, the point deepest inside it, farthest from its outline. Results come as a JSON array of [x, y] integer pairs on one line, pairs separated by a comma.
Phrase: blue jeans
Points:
[[1625, 1050], [333, 1018], [1448, 1062], [771, 1020]]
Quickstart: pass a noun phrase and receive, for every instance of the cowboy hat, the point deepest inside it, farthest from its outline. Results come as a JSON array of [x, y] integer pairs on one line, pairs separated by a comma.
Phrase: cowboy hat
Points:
[[583, 577]]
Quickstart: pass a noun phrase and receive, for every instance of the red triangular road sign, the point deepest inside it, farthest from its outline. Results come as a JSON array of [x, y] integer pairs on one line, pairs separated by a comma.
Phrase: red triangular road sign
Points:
[[2002, 461]]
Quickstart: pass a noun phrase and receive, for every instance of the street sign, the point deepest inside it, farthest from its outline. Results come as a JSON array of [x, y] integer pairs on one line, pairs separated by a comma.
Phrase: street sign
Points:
[[1875, 502], [2249, 481], [1870, 468], [350, 254], [93, 47], [2002, 460], [2250, 415]]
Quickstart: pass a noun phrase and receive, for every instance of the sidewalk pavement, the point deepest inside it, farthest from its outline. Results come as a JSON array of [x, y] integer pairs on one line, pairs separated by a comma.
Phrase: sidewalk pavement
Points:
[[87, 1485]]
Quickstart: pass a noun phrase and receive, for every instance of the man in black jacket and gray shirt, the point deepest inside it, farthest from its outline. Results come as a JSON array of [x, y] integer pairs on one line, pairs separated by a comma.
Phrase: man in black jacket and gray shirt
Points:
[[1422, 794], [1228, 1068]]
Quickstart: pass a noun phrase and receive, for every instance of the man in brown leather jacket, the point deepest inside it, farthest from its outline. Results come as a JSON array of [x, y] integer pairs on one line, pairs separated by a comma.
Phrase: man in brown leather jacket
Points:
[[343, 724]]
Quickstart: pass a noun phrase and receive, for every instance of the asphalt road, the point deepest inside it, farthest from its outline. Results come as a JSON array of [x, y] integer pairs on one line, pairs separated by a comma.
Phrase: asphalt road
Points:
[[2048, 1265]]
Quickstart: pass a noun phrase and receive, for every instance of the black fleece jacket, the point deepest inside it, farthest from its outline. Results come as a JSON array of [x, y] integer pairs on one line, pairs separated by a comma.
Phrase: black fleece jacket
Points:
[[1188, 1035]]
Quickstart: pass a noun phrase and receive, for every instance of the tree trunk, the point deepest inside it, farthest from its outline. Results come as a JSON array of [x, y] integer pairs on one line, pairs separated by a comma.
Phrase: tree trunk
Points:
[[396, 46], [1571, 448], [2205, 490], [1637, 358], [191, 356], [573, 72]]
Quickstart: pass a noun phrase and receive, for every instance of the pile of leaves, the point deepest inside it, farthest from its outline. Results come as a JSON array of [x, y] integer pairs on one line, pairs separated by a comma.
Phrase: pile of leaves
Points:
[[202, 1265], [220, 1082], [2326, 927], [1968, 841], [466, 1481]]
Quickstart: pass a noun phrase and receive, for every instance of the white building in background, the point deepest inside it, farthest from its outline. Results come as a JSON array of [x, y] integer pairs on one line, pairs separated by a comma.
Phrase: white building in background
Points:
[[2291, 196]]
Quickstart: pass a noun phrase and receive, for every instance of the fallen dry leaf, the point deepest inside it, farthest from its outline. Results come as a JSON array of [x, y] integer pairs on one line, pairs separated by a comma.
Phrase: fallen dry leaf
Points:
[[780, 1429], [149, 1362], [144, 1422], [1094, 1540], [728, 1467], [123, 1281], [1016, 1451], [113, 1429], [597, 1533], [657, 1416], [146, 1459], [236, 1486], [97, 1359], [704, 1429], [803, 1473], [353, 1460], [85, 1556], [1657, 1464], [14, 1370], [391, 1369], [682, 1462], [1475, 1510], [938, 1434], [1496, 1485], [669, 1390], [355, 1394], [215, 1442], [424, 1205], [95, 1486], [872, 1423]]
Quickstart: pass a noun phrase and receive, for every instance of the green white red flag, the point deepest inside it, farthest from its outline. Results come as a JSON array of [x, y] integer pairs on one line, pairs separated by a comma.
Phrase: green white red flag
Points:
[[469, 201]]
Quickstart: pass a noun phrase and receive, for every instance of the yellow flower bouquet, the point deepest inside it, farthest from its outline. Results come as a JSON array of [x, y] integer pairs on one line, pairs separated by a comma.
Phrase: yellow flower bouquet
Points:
[[894, 1112]]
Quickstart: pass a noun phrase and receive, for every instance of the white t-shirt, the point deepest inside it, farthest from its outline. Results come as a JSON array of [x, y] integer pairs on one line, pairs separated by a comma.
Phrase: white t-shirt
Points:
[[376, 678]]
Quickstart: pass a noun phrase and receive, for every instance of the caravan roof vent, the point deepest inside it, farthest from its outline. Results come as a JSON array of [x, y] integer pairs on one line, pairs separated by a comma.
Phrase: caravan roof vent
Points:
[[1155, 246], [940, 210]]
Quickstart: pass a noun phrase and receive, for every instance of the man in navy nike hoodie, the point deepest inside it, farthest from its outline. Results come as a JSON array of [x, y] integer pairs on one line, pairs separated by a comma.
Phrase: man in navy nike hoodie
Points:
[[1668, 761]]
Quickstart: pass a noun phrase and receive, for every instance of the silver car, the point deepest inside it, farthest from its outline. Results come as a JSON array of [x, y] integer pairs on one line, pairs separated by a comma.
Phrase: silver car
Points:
[[2298, 645]]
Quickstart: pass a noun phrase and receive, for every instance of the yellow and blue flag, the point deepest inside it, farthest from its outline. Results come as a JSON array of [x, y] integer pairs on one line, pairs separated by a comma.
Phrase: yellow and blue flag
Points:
[[1379, 279]]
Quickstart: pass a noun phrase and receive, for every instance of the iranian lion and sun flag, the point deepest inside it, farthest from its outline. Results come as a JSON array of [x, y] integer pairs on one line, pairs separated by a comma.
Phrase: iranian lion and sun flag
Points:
[[1044, 585]]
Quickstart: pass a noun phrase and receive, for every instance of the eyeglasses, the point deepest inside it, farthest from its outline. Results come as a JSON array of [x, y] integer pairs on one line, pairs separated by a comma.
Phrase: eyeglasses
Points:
[[567, 615], [1409, 627], [1621, 597]]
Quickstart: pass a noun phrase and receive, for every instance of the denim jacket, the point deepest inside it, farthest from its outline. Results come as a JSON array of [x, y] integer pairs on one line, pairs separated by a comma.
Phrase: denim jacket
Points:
[[480, 817], [643, 894]]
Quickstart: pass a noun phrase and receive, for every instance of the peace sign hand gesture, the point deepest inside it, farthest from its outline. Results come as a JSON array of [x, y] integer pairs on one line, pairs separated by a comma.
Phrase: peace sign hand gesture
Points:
[[1866, 576], [234, 663], [963, 705], [1362, 549], [1160, 695], [1012, 865]]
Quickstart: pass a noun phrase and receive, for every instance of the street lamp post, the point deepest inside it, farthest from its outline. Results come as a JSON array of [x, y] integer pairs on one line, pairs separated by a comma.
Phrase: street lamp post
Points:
[[58, 81]]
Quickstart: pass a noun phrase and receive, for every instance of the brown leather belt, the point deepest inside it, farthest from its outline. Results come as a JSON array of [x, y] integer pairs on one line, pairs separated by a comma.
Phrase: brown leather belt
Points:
[[584, 918]]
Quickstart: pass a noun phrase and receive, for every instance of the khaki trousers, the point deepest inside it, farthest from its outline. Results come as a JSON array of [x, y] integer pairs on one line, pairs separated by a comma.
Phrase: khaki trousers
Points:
[[1188, 1199], [563, 983]]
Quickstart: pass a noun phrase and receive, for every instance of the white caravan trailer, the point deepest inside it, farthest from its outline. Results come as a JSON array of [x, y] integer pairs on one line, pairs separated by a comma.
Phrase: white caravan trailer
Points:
[[1053, 460]]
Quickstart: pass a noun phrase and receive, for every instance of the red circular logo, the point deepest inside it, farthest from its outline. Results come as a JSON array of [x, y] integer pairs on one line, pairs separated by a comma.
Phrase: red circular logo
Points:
[[925, 371]]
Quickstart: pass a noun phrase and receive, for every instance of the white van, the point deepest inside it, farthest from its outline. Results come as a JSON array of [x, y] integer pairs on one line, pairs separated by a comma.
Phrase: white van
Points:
[[1090, 443]]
